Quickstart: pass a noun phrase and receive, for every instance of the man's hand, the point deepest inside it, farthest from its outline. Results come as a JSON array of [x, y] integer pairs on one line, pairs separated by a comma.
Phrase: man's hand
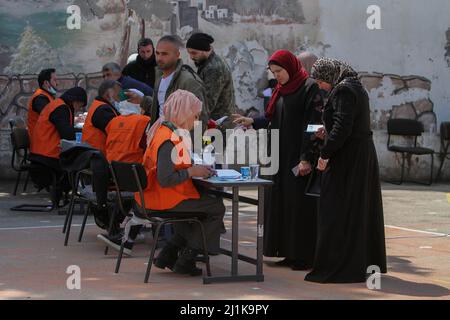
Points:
[[322, 164], [321, 134], [200, 171], [243, 121], [304, 168], [134, 97]]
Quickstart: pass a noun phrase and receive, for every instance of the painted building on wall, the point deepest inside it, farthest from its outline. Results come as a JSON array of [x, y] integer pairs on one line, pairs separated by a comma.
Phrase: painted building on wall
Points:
[[405, 66]]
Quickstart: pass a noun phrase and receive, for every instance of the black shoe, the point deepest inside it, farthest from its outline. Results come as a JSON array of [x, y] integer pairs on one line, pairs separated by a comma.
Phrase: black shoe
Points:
[[167, 257], [185, 263], [101, 216], [115, 242]]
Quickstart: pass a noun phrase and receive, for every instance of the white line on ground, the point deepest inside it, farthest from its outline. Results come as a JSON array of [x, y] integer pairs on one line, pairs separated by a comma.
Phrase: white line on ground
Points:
[[41, 227], [418, 231], [79, 225]]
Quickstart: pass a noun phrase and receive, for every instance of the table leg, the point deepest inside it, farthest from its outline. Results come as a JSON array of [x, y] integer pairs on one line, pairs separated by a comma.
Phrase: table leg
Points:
[[235, 232], [260, 233]]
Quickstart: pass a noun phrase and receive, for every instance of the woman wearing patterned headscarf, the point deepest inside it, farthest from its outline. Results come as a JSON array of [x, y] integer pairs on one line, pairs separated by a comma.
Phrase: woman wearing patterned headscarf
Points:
[[350, 221], [290, 221]]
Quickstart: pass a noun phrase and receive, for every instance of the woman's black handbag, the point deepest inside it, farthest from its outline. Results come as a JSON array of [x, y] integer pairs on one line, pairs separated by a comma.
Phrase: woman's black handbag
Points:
[[313, 186]]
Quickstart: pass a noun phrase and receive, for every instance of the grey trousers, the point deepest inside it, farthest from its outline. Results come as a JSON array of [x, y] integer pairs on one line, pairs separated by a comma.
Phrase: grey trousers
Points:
[[214, 211]]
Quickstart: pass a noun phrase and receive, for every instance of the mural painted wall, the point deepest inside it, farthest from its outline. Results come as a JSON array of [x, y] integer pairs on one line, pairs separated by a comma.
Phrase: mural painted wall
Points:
[[246, 32], [405, 66]]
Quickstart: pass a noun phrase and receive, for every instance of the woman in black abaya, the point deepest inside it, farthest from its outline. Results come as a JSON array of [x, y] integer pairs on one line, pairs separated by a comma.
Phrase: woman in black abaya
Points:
[[350, 221], [290, 216]]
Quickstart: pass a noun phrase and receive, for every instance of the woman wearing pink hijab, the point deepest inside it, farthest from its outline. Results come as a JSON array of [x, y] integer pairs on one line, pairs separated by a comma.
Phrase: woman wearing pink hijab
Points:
[[170, 187]]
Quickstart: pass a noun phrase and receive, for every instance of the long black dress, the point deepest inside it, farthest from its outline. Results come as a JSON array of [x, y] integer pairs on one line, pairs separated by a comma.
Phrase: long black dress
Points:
[[290, 216], [350, 221]]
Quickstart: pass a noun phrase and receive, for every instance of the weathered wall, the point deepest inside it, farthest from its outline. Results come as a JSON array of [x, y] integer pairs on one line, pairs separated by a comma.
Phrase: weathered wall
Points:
[[405, 66], [414, 40]]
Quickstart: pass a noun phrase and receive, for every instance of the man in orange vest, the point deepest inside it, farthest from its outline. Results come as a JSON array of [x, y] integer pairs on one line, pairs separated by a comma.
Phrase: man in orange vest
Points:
[[126, 135], [100, 113], [46, 93], [126, 141], [56, 122]]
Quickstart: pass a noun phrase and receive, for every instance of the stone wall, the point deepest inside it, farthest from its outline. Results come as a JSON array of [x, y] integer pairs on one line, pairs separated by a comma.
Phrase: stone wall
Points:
[[405, 97]]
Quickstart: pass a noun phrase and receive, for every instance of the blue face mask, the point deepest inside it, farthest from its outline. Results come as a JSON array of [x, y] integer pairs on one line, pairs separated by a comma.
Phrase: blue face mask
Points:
[[114, 103], [52, 90]]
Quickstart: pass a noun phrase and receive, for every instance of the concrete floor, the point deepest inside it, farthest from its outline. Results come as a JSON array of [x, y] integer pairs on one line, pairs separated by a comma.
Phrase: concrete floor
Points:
[[33, 260]]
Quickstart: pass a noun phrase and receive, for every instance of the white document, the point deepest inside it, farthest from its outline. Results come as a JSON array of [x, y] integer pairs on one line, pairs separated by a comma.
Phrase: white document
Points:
[[313, 128], [228, 174]]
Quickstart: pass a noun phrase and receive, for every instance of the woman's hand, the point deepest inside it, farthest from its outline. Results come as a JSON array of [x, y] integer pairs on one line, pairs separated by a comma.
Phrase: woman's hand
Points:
[[304, 168], [321, 134], [201, 171], [322, 164], [243, 121]]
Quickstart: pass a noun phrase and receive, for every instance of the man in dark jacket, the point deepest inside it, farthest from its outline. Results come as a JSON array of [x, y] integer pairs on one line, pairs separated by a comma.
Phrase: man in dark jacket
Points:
[[143, 68], [112, 71], [172, 75], [215, 73]]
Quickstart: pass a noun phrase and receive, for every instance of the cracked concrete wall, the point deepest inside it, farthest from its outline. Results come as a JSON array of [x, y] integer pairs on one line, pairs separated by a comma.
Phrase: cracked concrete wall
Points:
[[406, 64]]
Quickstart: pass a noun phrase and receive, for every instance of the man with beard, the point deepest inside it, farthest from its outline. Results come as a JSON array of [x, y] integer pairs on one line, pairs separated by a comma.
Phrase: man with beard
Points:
[[215, 73], [143, 68], [172, 75]]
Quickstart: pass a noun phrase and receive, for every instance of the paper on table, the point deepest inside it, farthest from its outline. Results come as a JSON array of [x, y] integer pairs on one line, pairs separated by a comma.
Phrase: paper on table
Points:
[[312, 128], [228, 174]]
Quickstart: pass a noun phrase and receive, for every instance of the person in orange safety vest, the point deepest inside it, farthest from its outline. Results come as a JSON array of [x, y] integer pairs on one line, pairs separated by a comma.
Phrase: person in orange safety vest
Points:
[[46, 93], [170, 187]]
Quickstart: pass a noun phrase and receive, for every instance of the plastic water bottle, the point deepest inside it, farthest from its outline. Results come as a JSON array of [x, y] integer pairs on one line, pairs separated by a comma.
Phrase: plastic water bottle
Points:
[[209, 157]]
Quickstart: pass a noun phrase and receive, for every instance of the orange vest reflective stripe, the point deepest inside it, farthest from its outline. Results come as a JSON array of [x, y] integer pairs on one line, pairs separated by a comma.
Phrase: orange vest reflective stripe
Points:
[[96, 138], [46, 139], [123, 136], [155, 196], [33, 115]]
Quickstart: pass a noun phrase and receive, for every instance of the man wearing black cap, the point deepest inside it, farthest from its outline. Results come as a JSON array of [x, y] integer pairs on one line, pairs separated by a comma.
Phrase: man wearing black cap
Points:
[[215, 73]]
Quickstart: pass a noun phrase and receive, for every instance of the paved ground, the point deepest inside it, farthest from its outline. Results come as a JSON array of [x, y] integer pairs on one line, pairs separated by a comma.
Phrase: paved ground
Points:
[[33, 260]]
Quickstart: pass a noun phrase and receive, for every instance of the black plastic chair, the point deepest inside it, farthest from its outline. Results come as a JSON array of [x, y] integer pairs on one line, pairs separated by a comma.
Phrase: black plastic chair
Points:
[[76, 196], [445, 146], [21, 142], [75, 180], [131, 177], [408, 128]]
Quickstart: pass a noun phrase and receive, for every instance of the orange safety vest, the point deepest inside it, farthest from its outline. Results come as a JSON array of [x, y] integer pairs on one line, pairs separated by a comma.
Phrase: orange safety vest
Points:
[[155, 196], [46, 139], [96, 138], [123, 136], [33, 115]]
